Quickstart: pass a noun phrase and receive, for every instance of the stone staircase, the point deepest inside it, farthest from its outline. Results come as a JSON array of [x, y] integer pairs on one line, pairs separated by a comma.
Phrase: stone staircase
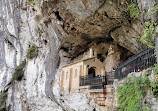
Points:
[[99, 98], [103, 97]]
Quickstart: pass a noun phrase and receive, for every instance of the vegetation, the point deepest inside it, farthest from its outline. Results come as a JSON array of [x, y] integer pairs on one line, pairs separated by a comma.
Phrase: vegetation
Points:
[[32, 3], [155, 88], [32, 52], [19, 72], [154, 85], [149, 32], [133, 91], [131, 94], [3, 98], [133, 9]]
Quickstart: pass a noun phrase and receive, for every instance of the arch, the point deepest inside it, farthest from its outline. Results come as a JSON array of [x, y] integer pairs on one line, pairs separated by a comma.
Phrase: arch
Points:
[[92, 72]]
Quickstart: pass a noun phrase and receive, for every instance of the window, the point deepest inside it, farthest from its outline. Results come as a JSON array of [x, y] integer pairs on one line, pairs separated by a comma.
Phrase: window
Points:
[[81, 70], [62, 75], [66, 75], [93, 53], [76, 73]]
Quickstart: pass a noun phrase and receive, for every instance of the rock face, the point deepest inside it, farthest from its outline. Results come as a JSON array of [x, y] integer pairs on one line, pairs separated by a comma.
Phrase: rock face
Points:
[[62, 30]]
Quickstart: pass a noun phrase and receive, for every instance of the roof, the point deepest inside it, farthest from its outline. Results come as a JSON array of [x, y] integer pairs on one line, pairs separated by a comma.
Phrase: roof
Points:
[[78, 62]]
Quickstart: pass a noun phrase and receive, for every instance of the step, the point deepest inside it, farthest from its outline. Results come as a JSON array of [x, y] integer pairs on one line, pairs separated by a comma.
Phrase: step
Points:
[[101, 103], [100, 99]]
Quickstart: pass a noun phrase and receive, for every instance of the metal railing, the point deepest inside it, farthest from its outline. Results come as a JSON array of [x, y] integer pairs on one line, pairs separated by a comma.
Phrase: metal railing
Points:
[[97, 82], [136, 63], [110, 76], [99, 86]]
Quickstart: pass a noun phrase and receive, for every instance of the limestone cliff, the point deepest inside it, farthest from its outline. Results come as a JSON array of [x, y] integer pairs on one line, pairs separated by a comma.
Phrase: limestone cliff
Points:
[[62, 30]]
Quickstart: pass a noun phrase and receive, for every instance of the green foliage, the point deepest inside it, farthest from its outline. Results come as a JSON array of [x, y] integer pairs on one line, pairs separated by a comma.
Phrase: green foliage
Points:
[[32, 3], [3, 98], [152, 10], [149, 34], [155, 69], [19, 72], [2, 107], [131, 94], [155, 88], [32, 52], [3, 95], [133, 10], [133, 91], [154, 85]]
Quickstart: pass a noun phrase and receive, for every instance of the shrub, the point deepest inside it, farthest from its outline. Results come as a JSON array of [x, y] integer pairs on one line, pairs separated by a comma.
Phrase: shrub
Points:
[[32, 3], [32, 52], [19, 71], [2, 107], [3, 98], [131, 94], [133, 10], [149, 34], [155, 88]]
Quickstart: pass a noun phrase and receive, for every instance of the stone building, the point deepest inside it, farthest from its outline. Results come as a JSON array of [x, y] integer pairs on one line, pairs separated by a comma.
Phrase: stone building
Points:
[[88, 76], [71, 73]]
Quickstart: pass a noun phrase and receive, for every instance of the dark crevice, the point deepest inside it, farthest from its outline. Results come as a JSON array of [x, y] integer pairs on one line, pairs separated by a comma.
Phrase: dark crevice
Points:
[[104, 40], [91, 23], [94, 109], [100, 57], [110, 18], [58, 62], [68, 57], [45, 42], [129, 21], [7, 41], [106, 53], [58, 15], [109, 40], [113, 29], [73, 29], [65, 49], [105, 14]]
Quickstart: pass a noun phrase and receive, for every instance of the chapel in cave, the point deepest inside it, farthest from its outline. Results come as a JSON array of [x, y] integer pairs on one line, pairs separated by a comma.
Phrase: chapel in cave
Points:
[[88, 76], [89, 67]]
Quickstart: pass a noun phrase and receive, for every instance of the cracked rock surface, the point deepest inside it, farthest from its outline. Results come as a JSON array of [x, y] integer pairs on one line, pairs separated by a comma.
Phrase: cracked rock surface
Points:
[[62, 30]]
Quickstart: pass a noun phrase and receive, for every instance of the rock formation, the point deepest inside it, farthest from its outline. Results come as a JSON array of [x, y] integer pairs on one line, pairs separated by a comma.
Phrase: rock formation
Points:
[[62, 30]]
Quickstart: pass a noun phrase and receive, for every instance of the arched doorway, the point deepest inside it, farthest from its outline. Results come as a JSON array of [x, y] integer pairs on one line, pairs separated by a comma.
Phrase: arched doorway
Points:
[[91, 71]]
